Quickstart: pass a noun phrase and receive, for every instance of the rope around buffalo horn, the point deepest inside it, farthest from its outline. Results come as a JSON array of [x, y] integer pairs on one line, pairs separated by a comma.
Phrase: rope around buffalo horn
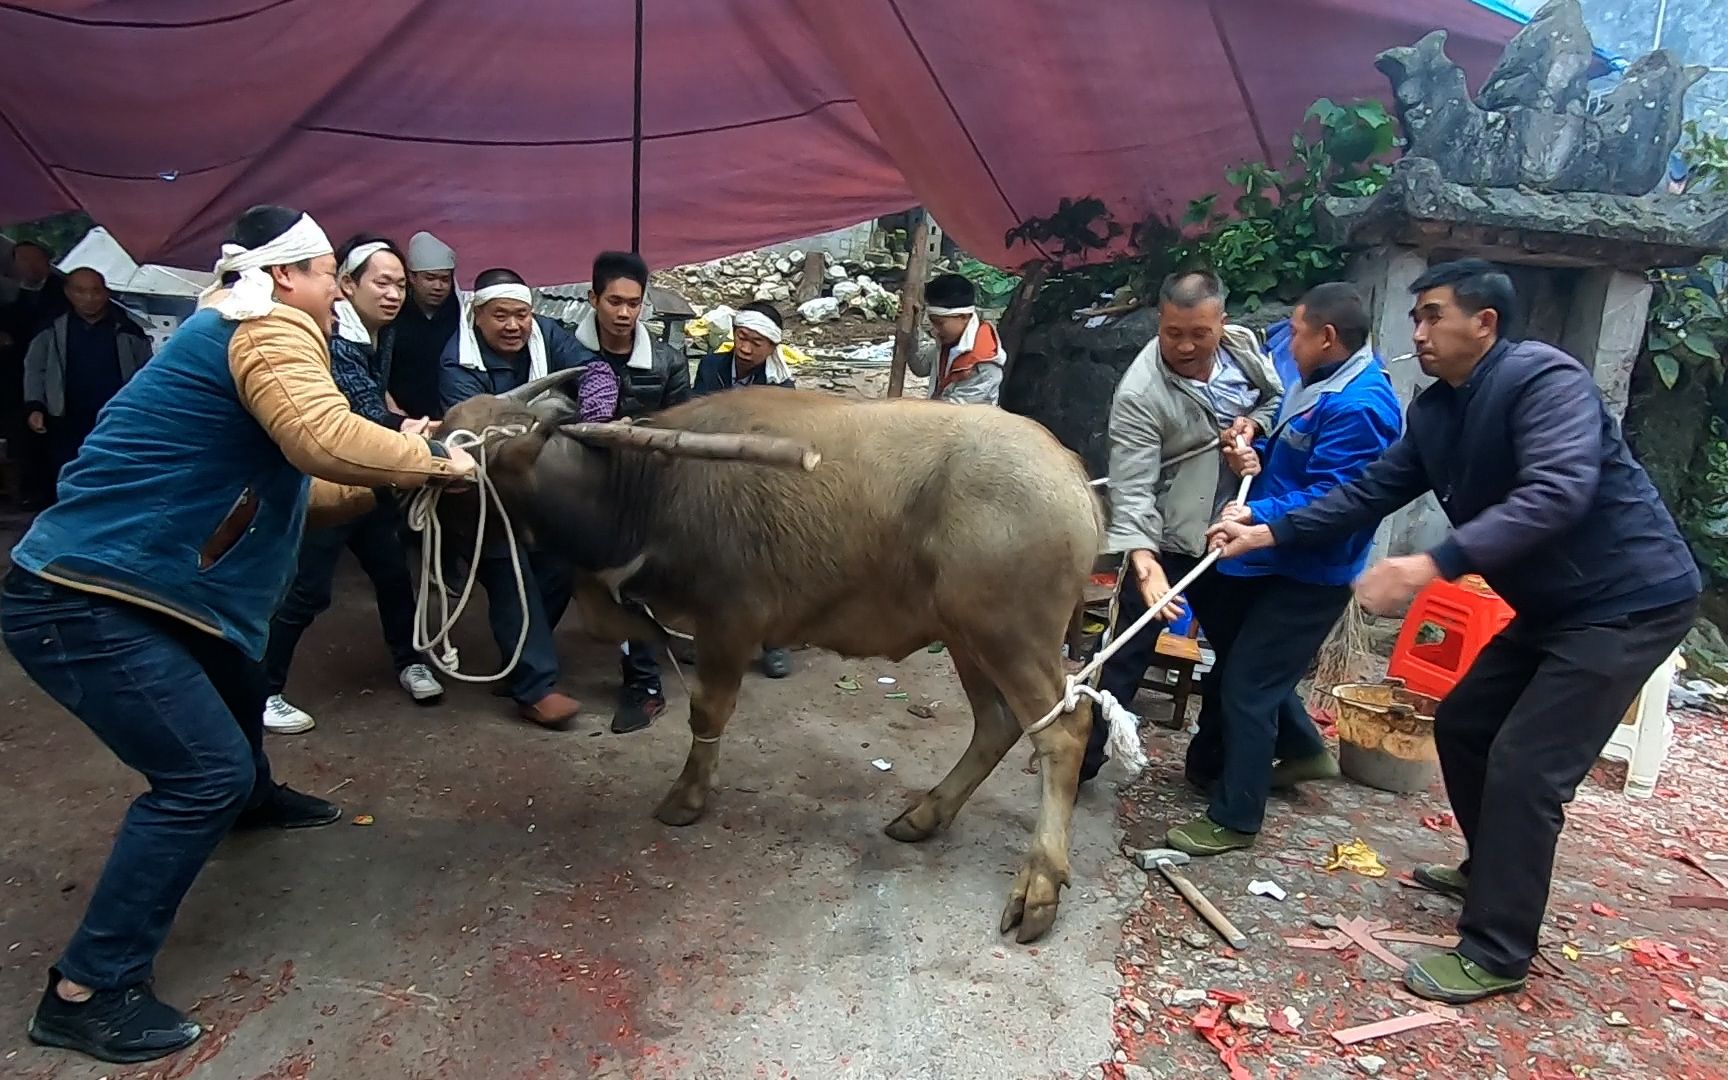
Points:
[[761, 449], [423, 519]]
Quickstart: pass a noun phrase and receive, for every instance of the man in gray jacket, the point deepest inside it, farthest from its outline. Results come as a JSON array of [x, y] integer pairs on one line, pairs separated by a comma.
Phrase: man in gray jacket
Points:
[[1196, 387], [77, 363]]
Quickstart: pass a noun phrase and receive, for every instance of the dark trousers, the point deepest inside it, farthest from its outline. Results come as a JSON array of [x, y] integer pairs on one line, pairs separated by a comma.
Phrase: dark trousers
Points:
[[1121, 674], [640, 666], [66, 434], [375, 541], [1516, 736], [1264, 632], [182, 707], [548, 581]]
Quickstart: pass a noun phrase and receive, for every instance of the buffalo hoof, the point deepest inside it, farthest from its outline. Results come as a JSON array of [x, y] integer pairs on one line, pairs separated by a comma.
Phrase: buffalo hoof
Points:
[[677, 811], [1032, 905], [907, 830]]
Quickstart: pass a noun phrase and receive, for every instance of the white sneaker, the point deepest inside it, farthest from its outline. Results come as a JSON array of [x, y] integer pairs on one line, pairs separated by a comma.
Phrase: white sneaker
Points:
[[285, 719], [421, 685]]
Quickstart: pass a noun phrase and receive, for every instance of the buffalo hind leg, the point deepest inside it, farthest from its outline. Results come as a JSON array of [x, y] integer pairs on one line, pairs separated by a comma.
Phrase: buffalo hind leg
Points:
[[719, 670], [1032, 685], [994, 731]]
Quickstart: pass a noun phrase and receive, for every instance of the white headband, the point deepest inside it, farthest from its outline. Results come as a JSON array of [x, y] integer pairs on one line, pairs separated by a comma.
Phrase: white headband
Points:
[[253, 295], [508, 290], [967, 310], [758, 322], [468, 339], [357, 258]]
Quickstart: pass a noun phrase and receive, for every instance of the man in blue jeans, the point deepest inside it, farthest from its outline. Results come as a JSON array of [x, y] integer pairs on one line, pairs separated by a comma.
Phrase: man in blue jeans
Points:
[[500, 346], [141, 600], [1268, 613]]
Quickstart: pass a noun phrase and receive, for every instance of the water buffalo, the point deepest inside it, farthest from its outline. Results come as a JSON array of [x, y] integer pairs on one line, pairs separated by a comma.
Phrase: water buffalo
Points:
[[924, 521]]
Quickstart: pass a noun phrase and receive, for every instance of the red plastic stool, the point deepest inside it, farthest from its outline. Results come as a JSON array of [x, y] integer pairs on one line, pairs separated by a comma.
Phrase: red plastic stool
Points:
[[1466, 613]]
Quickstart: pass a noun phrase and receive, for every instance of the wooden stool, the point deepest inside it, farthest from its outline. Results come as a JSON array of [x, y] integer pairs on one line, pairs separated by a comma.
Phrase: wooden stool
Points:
[[1179, 653]]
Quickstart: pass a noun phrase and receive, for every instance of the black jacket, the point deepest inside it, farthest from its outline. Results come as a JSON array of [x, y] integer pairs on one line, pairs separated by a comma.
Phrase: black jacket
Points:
[[416, 350], [642, 391], [1546, 500]]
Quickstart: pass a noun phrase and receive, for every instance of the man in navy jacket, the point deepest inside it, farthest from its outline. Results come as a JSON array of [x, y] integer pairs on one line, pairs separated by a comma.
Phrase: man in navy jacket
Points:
[[1270, 611], [1547, 504]]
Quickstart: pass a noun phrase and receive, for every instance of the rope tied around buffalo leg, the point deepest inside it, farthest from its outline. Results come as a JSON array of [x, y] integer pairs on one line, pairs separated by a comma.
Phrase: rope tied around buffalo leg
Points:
[[1124, 741]]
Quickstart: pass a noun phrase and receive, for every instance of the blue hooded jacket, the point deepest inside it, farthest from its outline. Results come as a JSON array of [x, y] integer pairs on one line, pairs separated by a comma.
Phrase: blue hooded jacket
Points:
[[1327, 433]]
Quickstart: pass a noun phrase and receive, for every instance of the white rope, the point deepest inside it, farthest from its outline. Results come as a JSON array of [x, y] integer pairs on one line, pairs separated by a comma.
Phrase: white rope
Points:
[[1078, 685], [423, 519]]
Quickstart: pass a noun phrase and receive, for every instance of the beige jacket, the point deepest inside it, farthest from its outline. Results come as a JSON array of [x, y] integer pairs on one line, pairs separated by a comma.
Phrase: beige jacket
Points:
[[1164, 451], [281, 368]]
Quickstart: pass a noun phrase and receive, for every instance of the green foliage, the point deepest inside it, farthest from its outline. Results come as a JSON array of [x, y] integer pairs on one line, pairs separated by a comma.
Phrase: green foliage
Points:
[[58, 233], [1687, 332], [1271, 247], [1705, 514], [1266, 246], [1706, 157]]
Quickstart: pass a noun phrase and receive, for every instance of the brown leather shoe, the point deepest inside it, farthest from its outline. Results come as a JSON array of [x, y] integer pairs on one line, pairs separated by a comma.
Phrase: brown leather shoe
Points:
[[554, 711]]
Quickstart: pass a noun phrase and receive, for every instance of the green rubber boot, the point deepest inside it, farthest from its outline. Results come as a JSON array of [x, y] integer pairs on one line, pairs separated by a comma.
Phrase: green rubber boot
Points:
[[1287, 774], [1445, 880], [1451, 978], [1204, 837]]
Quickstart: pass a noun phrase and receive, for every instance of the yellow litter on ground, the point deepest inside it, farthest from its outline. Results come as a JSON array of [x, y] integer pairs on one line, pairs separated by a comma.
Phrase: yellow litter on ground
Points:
[[1356, 857]]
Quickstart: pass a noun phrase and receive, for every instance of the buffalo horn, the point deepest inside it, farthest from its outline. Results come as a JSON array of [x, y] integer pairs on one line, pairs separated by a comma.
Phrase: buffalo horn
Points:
[[762, 449], [528, 391]]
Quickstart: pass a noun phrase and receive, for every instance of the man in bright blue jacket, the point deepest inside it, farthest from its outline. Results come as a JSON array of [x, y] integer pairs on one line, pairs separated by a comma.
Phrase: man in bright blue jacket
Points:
[[1275, 608]]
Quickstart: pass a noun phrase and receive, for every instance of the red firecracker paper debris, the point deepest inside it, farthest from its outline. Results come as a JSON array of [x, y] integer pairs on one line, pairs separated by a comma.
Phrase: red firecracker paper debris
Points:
[[1439, 822], [1660, 957], [1280, 1023], [1226, 997], [1605, 911], [1218, 1035]]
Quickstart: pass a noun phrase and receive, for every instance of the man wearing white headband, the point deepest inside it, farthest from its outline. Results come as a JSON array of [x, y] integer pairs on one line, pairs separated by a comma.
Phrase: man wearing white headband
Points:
[[373, 283], [754, 356], [501, 345], [966, 361], [652, 376], [141, 600], [427, 323]]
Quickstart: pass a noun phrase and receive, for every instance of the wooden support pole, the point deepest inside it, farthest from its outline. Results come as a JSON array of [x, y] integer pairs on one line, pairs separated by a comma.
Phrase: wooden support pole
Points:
[[911, 304], [1017, 319]]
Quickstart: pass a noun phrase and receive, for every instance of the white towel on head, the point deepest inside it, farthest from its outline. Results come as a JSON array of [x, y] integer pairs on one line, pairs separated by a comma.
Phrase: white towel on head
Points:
[[357, 258], [468, 339], [427, 252], [778, 370], [254, 294], [641, 351]]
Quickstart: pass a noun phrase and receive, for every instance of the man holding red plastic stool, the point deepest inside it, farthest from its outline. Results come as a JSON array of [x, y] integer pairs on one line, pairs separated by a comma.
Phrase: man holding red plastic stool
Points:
[[1549, 506]]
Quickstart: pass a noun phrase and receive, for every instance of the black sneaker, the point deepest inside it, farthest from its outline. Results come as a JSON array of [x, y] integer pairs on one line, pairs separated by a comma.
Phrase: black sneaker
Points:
[[776, 663], [122, 1026], [637, 708], [285, 808]]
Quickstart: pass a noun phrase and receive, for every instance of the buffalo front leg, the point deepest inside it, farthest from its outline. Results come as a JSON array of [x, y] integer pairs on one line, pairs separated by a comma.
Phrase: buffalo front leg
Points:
[[1037, 890], [719, 670], [994, 731]]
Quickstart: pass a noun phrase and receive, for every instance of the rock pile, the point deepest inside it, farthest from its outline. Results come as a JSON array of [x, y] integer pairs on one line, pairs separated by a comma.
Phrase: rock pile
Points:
[[845, 286]]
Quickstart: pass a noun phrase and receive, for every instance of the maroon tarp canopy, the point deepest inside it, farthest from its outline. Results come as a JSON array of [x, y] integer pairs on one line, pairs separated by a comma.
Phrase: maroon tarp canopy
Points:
[[505, 127]]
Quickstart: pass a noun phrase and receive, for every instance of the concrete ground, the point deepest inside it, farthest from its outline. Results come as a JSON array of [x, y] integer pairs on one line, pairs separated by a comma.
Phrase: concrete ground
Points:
[[514, 911]]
